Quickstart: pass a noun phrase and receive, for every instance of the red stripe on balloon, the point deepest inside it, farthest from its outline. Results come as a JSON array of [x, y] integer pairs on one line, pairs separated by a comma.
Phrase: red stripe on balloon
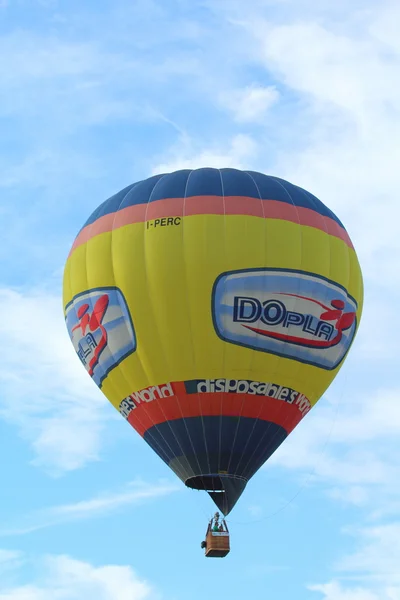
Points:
[[211, 205], [182, 406]]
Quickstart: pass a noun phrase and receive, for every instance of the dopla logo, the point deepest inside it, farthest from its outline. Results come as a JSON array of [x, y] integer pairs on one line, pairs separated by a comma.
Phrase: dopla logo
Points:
[[293, 314], [101, 330]]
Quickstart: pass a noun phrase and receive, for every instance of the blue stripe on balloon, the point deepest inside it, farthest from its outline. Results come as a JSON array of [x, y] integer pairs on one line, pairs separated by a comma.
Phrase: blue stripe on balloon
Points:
[[211, 182], [237, 445]]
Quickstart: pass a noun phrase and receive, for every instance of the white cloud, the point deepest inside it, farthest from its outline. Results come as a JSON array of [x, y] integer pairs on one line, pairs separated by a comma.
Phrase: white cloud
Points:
[[354, 494], [386, 507], [10, 559], [43, 167], [376, 344], [338, 68], [49, 76], [134, 493], [250, 104], [62, 578], [238, 153], [347, 121], [334, 591], [45, 391], [6, 555], [94, 76], [378, 557], [374, 567], [350, 449]]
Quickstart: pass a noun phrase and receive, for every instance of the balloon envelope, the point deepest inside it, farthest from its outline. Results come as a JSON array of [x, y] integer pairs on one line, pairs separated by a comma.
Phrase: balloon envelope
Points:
[[213, 308]]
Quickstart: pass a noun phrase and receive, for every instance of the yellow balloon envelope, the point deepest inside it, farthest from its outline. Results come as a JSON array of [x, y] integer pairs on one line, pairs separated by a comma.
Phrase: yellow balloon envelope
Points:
[[213, 308]]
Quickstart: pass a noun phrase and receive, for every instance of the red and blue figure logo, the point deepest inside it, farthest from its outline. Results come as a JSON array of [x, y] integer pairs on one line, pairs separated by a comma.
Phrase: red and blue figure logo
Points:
[[293, 314], [101, 330]]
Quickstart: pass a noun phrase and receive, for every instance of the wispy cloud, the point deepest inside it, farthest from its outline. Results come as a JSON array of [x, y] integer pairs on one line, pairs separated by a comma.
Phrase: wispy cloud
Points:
[[9, 555], [10, 561], [98, 506], [45, 392], [378, 556], [250, 104], [350, 449], [238, 153], [372, 572], [348, 97], [60, 577], [353, 494], [335, 591]]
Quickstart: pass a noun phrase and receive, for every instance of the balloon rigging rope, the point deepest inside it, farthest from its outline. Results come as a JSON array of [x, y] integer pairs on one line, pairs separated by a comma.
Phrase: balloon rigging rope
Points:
[[310, 473]]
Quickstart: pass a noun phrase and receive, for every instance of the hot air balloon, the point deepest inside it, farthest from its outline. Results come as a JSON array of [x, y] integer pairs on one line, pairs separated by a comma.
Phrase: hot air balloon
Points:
[[213, 307]]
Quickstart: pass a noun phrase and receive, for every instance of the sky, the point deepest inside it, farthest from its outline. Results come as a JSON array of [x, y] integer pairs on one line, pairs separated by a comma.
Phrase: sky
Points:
[[95, 95]]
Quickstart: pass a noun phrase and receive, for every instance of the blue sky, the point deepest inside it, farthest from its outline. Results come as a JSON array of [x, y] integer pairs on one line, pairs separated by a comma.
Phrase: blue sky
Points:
[[95, 95]]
